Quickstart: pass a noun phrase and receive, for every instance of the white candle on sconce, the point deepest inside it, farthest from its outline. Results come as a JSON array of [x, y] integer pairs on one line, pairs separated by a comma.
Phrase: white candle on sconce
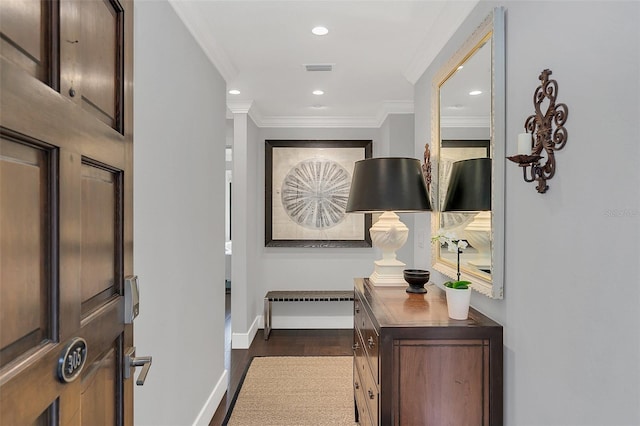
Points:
[[524, 143]]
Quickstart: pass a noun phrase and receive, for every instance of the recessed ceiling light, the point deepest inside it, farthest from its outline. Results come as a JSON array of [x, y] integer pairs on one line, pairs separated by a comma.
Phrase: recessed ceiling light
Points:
[[234, 92], [320, 31], [318, 92], [475, 92]]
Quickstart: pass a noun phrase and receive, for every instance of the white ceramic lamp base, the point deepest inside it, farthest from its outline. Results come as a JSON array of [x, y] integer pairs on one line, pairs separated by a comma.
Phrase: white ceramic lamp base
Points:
[[478, 234], [387, 273], [388, 234]]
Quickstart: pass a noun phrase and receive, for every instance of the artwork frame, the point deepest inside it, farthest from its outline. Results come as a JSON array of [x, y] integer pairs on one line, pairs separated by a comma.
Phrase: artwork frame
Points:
[[296, 218]]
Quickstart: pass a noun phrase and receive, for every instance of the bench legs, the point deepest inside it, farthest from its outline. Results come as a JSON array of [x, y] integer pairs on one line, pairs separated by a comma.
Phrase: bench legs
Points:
[[267, 318]]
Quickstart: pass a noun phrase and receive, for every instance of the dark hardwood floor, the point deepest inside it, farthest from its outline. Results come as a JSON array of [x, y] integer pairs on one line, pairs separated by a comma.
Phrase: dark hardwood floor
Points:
[[280, 343]]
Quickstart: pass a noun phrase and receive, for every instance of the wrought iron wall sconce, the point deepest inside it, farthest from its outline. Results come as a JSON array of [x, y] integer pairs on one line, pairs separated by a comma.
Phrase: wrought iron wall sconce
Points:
[[545, 130]]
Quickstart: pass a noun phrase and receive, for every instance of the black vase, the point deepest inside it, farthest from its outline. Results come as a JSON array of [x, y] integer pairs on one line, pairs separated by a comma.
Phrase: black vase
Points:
[[416, 278]]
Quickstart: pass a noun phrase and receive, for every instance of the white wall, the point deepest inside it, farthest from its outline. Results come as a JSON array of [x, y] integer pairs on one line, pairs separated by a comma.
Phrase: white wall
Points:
[[178, 221], [246, 265], [572, 293]]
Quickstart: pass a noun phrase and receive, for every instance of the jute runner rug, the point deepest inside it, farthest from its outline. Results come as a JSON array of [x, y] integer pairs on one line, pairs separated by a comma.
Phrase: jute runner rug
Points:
[[288, 391]]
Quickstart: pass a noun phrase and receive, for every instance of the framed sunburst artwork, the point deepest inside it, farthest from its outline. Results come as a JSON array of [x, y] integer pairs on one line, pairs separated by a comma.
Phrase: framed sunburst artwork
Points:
[[307, 185]]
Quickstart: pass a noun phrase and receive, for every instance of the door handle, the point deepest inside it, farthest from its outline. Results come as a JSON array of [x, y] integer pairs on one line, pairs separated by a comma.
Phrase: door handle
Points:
[[131, 361]]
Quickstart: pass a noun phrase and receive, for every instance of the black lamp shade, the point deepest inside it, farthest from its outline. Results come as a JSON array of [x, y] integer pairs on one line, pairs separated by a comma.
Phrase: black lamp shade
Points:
[[469, 186], [388, 184]]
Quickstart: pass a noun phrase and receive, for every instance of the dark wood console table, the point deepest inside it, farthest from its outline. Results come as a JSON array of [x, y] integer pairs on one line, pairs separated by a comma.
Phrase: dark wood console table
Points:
[[415, 366]]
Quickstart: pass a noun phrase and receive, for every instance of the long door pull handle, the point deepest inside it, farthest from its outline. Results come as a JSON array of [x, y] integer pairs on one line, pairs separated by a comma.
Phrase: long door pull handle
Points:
[[131, 361]]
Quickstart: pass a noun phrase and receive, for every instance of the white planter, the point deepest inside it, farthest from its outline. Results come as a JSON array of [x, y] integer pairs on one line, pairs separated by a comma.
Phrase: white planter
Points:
[[458, 303]]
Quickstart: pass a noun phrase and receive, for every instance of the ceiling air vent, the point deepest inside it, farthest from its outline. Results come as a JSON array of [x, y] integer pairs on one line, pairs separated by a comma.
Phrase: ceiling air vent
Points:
[[319, 67]]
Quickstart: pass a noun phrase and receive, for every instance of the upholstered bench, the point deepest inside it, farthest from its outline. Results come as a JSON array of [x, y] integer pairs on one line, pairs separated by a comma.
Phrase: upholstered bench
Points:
[[300, 296]]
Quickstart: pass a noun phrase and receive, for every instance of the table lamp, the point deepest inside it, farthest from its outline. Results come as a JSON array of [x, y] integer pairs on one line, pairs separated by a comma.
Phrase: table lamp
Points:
[[388, 185]]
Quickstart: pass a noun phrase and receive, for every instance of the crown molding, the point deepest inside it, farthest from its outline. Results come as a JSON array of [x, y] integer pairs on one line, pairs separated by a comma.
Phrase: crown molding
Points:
[[240, 107], [475, 121], [316, 122], [394, 107], [199, 28], [255, 115], [388, 107]]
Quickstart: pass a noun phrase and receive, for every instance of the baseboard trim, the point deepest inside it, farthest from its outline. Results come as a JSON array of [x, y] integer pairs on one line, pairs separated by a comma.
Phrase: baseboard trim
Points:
[[243, 340], [209, 409]]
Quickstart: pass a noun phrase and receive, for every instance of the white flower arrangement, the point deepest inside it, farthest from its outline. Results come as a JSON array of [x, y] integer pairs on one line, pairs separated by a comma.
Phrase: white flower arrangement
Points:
[[451, 240], [455, 245]]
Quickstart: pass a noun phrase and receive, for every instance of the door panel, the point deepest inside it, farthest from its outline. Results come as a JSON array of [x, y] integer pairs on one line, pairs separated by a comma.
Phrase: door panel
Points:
[[100, 231], [65, 211], [100, 59], [26, 26], [24, 191], [99, 387]]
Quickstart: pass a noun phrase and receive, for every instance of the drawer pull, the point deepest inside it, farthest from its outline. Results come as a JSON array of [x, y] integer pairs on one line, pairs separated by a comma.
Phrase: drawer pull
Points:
[[357, 309], [357, 385], [355, 346], [370, 342], [371, 394]]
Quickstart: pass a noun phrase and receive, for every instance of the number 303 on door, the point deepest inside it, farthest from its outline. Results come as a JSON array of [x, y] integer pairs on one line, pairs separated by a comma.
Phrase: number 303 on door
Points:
[[72, 360]]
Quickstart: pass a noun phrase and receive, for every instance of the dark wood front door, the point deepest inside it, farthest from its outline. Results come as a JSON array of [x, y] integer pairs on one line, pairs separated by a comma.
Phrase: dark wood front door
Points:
[[65, 210]]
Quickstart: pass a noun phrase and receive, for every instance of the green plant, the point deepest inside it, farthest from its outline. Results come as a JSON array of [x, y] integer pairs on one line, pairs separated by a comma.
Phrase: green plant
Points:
[[458, 285]]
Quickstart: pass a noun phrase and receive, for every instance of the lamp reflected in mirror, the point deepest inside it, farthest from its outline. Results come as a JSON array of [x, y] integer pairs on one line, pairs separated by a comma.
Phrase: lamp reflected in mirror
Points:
[[469, 190]]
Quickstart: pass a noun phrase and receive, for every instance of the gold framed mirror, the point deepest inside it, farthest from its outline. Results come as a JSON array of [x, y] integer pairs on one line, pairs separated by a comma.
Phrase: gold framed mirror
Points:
[[468, 121]]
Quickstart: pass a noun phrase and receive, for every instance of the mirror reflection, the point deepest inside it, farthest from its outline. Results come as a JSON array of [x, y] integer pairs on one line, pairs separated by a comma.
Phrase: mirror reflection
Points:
[[465, 133]]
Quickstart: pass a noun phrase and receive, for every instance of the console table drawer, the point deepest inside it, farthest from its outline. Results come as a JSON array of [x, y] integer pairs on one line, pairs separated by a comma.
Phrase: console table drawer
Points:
[[369, 334], [364, 416], [365, 392]]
